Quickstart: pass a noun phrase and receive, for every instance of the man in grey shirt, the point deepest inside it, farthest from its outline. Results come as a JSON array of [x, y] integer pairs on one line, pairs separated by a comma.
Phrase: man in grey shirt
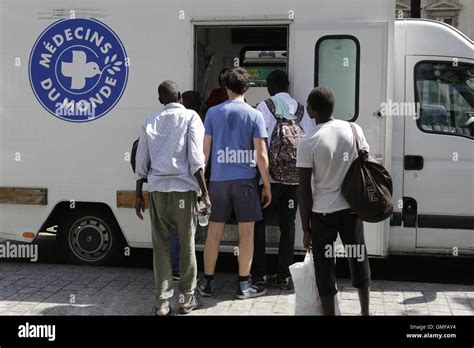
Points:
[[170, 155]]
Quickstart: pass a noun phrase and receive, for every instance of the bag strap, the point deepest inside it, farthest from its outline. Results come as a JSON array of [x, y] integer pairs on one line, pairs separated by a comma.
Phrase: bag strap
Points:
[[271, 106], [356, 136], [299, 113]]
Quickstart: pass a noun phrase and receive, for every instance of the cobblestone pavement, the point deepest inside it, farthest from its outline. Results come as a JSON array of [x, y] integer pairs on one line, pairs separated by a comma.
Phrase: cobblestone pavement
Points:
[[49, 289]]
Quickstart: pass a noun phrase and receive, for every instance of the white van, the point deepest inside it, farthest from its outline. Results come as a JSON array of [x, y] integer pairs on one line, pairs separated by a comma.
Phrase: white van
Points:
[[77, 79]]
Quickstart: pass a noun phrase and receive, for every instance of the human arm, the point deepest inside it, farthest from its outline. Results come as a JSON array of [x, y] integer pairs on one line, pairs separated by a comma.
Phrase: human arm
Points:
[[196, 158], [305, 196], [139, 199], [305, 201], [262, 163], [142, 167]]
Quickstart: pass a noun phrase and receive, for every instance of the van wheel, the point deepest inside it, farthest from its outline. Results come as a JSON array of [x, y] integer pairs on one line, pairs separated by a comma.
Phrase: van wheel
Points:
[[90, 240]]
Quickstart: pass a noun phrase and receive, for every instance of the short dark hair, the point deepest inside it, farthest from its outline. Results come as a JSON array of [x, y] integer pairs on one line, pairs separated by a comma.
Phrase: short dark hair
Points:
[[322, 100], [192, 100], [169, 92], [278, 79], [220, 78], [237, 80]]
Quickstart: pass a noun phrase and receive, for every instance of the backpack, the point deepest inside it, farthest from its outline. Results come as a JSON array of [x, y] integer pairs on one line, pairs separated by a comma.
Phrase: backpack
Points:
[[284, 142], [367, 186]]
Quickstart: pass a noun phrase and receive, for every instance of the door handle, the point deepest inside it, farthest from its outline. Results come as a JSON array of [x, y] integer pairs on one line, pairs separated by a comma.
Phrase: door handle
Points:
[[412, 162]]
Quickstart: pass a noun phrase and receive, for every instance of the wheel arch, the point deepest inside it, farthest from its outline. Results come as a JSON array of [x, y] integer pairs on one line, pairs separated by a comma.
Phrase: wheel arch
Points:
[[62, 208]]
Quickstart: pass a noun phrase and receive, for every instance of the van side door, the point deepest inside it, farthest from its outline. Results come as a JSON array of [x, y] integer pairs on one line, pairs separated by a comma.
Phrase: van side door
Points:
[[439, 154]]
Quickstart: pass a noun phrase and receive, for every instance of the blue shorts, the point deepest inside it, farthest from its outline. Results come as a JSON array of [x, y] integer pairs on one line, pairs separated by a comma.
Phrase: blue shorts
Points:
[[240, 196]]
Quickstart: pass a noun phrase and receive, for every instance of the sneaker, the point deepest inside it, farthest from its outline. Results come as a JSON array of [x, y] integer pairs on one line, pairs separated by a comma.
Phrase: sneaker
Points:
[[259, 281], [176, 276], [188, 307], [282, 283], [251, 292], [206, 289], [160, 312]]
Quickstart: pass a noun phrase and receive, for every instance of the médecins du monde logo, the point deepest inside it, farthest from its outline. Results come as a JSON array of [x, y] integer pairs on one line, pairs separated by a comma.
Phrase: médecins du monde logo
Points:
[[78, 69]]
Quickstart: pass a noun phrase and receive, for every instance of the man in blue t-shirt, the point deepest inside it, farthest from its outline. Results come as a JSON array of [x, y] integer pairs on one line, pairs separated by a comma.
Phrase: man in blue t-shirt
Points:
[[235, 144]]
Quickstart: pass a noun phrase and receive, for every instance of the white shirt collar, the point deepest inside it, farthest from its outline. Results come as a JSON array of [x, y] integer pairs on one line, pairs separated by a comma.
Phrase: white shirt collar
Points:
[[283, 95], [174, 106]]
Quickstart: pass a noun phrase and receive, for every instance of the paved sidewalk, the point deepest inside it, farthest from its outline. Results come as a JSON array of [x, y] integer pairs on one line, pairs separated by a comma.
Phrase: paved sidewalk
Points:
[[47, 289]]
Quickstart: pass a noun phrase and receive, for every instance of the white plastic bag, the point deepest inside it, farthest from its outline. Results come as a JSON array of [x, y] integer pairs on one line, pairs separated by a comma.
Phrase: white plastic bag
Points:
[[307, 300]]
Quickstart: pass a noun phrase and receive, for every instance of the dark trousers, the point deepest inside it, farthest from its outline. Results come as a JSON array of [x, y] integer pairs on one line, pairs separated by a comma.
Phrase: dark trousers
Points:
[[324, 229], [284, 204]]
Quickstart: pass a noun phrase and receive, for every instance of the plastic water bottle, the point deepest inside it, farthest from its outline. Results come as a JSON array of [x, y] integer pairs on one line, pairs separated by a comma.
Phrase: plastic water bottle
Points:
[[203, 219]]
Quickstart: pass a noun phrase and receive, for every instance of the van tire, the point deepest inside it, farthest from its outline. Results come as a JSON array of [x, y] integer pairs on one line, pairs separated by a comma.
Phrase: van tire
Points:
[[88, 238]]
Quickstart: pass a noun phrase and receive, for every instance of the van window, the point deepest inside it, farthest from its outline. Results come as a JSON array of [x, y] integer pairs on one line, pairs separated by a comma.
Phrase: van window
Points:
[[337, 67], [260, 61], [445, 93]]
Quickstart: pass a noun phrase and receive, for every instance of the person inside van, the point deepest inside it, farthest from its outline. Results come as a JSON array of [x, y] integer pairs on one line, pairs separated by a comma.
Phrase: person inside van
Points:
[[218, 95], [236, 134], [170, 155], [280, 106], [193, 100], [323, 159]]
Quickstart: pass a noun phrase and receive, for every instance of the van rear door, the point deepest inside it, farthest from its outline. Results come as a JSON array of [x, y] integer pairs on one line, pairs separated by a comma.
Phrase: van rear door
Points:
[[353, 60]]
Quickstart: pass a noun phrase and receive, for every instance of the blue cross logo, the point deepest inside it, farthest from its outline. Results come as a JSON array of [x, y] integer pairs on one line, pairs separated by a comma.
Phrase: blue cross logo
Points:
[[78, 69]]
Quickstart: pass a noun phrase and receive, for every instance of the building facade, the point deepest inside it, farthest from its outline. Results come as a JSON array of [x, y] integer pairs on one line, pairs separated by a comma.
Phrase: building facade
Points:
[[458, 13]]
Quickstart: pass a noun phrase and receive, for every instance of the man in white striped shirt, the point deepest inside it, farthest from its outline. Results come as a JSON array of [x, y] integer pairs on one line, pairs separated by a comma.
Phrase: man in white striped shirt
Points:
[[170, 155]]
